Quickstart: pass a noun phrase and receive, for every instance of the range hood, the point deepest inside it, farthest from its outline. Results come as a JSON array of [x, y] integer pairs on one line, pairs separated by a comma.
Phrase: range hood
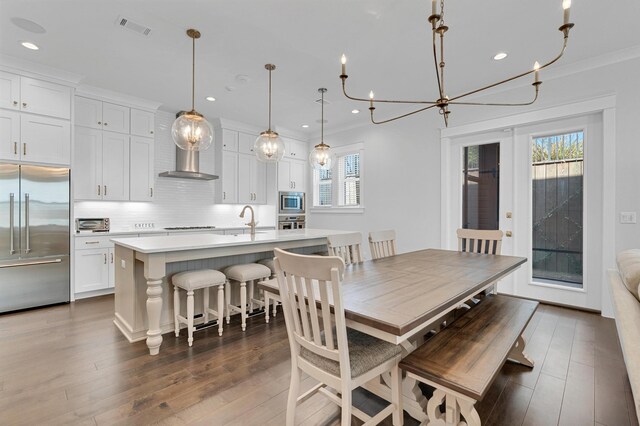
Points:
[[187, 166]]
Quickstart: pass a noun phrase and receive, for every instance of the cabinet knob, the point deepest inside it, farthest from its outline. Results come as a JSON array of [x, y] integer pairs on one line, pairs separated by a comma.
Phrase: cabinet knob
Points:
[[24, 104], [151, 131], [106, 124], [15, 103], [100, 123]]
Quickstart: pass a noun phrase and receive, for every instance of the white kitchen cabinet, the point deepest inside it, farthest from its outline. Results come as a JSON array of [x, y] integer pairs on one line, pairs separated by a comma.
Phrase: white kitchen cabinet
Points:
[[292, 175], [242, 176], [9, 91], [93, 269], [142, 123], [101, 170], [44, 139], [35, 96], [229, 178], [141, 175], [10, 147], [296, 149], [252, 176], [97, 114]]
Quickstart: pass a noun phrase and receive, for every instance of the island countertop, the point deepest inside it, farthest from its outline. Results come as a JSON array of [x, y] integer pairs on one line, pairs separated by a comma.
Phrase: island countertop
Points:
[[172, 243]]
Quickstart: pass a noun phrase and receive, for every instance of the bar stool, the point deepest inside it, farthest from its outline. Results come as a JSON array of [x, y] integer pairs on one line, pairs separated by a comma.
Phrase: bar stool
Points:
[[243, 274], [267, 294], [195, 280]]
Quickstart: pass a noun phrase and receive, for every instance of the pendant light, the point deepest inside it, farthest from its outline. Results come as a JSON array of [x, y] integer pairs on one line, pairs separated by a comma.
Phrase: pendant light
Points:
[[269, 147], [321, 156], [191, 131]]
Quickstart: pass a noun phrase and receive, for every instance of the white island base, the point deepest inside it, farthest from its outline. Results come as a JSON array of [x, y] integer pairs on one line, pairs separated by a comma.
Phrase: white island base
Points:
[[144, 266]]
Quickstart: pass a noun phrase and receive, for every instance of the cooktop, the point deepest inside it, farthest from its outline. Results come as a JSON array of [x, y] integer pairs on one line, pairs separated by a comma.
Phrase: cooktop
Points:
[[174, 228]]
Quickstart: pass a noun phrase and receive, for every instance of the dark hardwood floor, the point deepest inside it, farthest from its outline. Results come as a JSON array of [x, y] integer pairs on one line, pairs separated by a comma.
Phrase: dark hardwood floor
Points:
[[69, 365]]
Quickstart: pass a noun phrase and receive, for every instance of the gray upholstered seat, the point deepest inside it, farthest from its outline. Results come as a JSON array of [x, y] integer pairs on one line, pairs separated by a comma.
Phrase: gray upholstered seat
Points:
[[194, 280], [243, 274], [365, 353], [269, 264], [247, 272]]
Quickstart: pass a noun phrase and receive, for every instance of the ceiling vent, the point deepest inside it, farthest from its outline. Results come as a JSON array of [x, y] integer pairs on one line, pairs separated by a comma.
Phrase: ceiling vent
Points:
[[133, 26]]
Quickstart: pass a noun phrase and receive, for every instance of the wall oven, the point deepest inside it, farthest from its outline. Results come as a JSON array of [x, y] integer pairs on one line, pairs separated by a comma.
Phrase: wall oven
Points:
[[291, 222], [291, 202]]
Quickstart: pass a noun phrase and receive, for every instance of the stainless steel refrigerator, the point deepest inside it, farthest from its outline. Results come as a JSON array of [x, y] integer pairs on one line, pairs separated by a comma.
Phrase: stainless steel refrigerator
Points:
[[34, 236]]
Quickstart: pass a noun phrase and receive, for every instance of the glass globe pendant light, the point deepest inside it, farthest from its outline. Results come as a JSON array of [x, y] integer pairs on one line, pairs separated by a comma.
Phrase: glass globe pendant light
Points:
[[269, 147], [191, 131], [321, 157]]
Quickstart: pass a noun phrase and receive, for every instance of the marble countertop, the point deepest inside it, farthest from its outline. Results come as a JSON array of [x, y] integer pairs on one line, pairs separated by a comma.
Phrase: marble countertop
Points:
[[177, 242]]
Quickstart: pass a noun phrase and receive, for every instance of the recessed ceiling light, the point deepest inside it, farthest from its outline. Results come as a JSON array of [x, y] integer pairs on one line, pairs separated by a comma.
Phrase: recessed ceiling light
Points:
[[499, 56], [29, 45], [305, 126], [210, 98], [355, 111]]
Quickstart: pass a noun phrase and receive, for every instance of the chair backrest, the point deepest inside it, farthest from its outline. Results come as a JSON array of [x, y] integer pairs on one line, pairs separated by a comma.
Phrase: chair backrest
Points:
[[346, 246], [310, 289], [479, 241], [382, 244]]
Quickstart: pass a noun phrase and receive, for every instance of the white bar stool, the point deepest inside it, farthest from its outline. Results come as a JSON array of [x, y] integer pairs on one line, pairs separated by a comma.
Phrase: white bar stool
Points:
[[244, 273], [267, 294], [195, 280]]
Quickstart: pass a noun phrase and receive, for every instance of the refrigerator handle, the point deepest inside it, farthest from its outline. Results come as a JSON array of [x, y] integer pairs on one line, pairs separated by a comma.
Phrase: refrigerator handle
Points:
[[11, 223], [26, 220]]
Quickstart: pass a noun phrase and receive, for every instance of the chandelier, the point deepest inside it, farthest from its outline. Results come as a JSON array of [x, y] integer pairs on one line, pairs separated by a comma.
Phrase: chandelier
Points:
[[320, 157], [269, 147], [191, 131], [443, 102]]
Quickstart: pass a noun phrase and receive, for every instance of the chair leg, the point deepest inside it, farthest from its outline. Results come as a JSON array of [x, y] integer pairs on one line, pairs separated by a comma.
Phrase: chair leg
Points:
[[190, 316], [176, 310], [267, 308], [346, 406], [227, 298], [205, 312], [275, 305], [292, 400], [243, 304], [396, 395], [220, 308], [251, 291]]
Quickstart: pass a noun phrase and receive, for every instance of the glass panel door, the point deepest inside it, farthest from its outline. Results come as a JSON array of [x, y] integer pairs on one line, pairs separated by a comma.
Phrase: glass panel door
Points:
[[481, 186]]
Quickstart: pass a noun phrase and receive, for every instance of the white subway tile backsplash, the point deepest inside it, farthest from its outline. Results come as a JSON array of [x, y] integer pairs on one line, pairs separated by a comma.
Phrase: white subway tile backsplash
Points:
[[177, 202]]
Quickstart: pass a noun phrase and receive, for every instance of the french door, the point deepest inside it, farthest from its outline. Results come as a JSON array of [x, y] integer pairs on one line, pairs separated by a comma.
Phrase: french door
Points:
[[541, 184]]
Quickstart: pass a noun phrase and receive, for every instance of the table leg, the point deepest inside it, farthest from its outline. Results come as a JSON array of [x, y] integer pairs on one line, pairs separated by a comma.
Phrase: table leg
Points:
[[154, 308]]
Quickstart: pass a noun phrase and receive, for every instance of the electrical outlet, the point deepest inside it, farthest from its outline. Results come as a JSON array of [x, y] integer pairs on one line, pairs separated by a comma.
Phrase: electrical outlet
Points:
[[144, 225], [627, 217], [123, 264]]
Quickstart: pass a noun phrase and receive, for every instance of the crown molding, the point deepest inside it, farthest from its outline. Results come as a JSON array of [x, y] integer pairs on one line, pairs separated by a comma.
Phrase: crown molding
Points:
[[116, 97], [225, 123], [288, 133], [35, 70]]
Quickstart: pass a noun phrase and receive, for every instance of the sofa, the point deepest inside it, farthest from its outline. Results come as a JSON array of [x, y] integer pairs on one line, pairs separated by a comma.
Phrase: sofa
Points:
[[624, 284]]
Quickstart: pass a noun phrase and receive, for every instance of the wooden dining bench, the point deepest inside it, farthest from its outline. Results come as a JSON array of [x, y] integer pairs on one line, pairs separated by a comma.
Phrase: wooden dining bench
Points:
[[462, 361]]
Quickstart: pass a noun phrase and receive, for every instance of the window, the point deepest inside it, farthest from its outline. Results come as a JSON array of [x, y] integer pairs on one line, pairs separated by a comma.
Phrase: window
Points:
[[557, 188], [340, 187], [481, 186]]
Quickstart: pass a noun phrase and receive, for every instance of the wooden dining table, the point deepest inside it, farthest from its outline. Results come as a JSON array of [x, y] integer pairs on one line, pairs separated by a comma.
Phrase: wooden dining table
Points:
[[400, 298]]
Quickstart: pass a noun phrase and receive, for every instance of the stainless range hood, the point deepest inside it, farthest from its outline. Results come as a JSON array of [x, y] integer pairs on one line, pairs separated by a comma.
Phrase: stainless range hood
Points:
[[188, 166]]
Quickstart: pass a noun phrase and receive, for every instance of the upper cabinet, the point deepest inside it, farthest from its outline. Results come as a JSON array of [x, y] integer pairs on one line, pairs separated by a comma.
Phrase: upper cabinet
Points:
[[142, 123], [114, 151], [100, 115], [34, 120], [295, 149], [35, 96]]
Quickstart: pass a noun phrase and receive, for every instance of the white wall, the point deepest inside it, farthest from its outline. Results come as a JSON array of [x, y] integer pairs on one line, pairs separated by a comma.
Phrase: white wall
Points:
[[178, 202], [401, 177], [403, 158]]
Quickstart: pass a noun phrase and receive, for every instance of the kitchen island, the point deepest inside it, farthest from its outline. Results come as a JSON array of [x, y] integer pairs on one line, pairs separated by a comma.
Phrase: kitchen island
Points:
[[145, 264]]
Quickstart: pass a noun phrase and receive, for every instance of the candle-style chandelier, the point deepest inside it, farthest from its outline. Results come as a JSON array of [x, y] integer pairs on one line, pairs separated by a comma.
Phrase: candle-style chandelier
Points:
[[443, 102]]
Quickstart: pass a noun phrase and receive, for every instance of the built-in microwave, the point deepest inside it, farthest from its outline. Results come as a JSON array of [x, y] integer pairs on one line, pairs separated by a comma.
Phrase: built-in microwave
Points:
[[291, 203]]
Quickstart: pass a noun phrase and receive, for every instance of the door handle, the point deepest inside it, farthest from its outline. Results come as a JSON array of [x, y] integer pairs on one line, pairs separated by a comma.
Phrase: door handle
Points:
[[11, 223], [508, 233], [24, 148], [98, 189], [105, 190], [105, 258], [224, 195], [15, 148], [151, 192], [26, 221], [41, 262], [111, 255]]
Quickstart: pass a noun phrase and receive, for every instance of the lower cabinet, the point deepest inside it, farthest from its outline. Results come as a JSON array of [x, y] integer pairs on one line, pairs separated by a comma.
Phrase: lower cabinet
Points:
[[94, 269]]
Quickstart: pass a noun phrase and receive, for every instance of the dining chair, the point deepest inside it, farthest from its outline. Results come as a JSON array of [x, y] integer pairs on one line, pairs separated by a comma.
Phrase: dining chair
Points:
[[346, 246], [479, 241], [382, 244], [322, 346]]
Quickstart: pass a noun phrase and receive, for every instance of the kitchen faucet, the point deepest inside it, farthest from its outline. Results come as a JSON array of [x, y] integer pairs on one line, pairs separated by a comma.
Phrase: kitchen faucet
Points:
[[253, 223]]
